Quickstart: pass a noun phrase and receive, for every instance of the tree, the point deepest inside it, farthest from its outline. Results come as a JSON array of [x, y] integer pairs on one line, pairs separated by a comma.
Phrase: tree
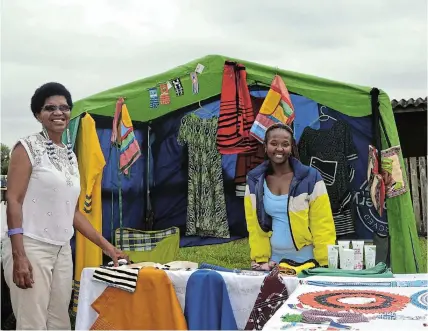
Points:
[[5, 154]]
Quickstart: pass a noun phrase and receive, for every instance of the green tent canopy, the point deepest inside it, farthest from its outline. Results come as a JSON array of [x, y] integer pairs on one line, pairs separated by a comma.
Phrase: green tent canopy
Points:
[[349, 99]]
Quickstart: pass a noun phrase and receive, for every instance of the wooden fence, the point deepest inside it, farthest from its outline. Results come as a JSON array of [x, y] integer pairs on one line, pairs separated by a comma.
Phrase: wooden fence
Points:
[[416, 168]]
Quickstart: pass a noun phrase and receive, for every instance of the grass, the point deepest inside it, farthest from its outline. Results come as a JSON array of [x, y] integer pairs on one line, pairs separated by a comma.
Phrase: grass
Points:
[[423, 244], [236, 254]]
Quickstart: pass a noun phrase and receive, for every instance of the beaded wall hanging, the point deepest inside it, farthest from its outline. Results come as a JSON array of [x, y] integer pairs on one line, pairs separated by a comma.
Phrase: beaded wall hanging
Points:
[[341, 300], [420, 299], [408, 283]]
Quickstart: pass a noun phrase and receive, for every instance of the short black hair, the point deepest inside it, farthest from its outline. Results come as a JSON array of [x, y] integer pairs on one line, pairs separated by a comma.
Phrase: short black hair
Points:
[[46, 91]]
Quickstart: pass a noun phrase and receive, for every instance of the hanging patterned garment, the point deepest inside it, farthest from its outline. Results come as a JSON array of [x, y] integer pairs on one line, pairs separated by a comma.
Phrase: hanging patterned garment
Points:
[[244, 164], [330, 151], [206, 205], [277, 108], [123, 136], [248, 161], [91, 164], [236, 113]]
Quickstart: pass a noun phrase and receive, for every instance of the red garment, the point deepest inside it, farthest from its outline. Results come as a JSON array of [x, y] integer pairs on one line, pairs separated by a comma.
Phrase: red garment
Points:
[[247, 162], [236, 112]]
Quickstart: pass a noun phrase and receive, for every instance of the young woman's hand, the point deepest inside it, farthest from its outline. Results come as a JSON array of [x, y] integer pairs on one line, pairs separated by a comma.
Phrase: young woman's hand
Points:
[[272, 265], [260, 266]]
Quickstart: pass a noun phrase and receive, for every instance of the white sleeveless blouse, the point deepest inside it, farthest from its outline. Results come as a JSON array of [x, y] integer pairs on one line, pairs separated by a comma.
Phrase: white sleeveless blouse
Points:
[[52, 194]]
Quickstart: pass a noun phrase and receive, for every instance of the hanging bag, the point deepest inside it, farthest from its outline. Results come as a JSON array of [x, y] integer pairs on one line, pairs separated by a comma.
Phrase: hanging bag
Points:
[[386, 178], [391, 170], [149, 246], [277, 108]]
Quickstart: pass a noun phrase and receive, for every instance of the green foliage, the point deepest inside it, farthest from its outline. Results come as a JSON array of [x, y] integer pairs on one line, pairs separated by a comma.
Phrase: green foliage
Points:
[[5, 154]]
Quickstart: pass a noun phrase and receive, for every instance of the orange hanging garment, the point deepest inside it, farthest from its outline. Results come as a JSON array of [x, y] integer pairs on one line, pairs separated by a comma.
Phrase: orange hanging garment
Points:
[[236, 112], [153, 305]]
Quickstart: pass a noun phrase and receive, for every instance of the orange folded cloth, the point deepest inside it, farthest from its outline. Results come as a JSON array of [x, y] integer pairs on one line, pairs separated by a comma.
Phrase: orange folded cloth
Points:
[[153, 305]]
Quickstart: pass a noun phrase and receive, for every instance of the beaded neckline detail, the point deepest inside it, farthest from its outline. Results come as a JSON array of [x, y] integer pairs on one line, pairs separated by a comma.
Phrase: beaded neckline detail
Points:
[[60, 157]]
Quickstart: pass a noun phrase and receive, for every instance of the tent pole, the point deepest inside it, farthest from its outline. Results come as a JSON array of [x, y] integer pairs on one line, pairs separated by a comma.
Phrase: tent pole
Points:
[[148, 226]]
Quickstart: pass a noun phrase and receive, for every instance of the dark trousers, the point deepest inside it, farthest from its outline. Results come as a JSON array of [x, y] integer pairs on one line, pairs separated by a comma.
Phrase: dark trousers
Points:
[[7, 319]]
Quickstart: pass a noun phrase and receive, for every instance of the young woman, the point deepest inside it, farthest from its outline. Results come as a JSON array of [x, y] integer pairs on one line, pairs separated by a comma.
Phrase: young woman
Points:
[[42, 213], [287, 208]]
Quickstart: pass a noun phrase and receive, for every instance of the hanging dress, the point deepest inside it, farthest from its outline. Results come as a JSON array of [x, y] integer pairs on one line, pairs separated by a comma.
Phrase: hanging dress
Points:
[[206, 206], [91, 164], [330, 152]]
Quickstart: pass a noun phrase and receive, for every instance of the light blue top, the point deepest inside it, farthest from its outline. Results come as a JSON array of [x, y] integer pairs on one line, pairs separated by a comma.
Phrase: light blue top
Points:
[[281, 241]]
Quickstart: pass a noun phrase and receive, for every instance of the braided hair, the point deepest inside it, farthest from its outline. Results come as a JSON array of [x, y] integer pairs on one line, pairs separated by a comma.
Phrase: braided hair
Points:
[[294, 149]]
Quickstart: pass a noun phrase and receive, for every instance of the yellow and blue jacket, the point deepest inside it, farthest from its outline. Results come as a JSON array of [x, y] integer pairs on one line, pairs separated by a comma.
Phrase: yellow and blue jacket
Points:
[[309, 212]]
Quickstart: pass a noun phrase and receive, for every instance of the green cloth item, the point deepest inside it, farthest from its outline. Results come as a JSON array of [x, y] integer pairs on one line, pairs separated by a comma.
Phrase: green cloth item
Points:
[[349, 99], [378, 271], [73, 127], [159, 246]]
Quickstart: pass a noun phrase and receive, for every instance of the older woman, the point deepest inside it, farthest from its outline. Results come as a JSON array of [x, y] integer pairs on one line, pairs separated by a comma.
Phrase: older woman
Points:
[[42, 213]]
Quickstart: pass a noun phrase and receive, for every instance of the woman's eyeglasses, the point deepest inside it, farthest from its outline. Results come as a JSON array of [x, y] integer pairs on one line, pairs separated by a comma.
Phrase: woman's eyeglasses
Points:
[[52, 108]]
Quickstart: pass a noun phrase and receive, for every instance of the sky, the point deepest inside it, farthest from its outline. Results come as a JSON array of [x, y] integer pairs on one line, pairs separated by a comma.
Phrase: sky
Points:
[[90, 46]]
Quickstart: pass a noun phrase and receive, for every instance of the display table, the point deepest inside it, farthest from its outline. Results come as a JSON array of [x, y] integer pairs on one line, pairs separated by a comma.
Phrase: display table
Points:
[[243, 291], [402, 299]]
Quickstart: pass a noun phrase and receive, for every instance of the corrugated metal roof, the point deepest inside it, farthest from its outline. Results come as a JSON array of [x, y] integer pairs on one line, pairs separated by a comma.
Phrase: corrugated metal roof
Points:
[[419, 104]]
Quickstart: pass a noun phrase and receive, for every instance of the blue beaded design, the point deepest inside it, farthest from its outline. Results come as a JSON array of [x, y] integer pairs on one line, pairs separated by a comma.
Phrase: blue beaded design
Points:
[[407, 283], [420, 299], [50, 148]]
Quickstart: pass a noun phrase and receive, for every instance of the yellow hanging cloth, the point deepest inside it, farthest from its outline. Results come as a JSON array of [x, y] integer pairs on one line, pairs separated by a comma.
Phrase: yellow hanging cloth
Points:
[[91, 164]]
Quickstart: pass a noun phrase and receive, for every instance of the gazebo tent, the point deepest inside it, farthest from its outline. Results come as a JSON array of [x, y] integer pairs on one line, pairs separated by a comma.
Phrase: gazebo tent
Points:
[[355, 104]]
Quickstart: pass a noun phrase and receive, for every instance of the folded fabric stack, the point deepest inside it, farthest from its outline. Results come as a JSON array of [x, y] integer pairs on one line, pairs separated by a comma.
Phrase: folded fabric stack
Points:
[[378, 271], [237, 271], [124, 278]]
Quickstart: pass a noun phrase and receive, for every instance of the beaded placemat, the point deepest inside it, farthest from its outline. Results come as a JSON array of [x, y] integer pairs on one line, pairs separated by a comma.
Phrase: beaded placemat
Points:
[[420, 299], [371, 301]]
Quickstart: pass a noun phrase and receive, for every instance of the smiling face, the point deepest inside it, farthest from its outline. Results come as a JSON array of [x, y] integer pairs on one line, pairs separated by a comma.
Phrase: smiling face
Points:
[[55, 114], [278, 145]]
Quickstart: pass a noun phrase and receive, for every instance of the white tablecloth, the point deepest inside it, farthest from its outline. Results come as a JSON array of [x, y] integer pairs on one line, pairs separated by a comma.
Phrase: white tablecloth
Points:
[[275, 322], [243, 291]]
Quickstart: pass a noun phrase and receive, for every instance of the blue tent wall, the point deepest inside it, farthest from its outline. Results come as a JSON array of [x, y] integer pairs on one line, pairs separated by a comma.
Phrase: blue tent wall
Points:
[[168, 172], [169, 194], [133, 186]]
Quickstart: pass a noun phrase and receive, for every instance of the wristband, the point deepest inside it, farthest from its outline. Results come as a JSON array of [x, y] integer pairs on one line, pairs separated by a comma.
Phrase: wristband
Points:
[[11, 232]]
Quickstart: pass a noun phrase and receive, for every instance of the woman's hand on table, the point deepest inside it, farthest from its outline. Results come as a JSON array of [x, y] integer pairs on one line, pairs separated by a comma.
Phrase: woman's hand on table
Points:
[[115, 254]]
